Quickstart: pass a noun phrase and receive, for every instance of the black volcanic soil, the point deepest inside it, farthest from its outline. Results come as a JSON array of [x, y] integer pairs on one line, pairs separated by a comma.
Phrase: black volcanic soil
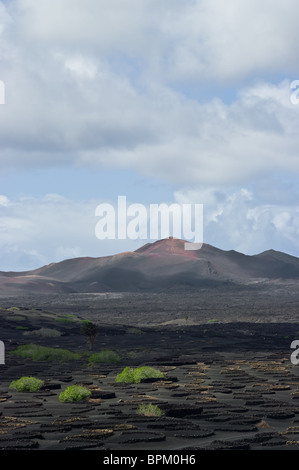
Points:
[[229, 382]]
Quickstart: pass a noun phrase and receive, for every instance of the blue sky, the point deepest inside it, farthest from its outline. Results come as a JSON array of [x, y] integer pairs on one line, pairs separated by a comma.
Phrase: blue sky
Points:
[[173, 101]]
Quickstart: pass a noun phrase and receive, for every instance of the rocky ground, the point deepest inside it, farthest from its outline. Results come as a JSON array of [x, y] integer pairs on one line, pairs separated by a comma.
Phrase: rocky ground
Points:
[[227, 385]]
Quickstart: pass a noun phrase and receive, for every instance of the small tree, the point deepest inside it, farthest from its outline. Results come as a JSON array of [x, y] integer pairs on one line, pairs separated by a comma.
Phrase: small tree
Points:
[[90, 330]]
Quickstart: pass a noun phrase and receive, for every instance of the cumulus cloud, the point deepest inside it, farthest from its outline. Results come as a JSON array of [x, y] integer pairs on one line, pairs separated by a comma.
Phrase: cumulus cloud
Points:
[[108, 123], [237, 219], [190, 143], [201, 37], [231, 40], [91, 84], [38, 231], [121, 84]]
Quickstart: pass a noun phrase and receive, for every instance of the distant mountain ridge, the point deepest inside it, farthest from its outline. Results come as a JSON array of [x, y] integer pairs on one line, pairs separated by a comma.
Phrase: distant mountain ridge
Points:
[[164, 264]]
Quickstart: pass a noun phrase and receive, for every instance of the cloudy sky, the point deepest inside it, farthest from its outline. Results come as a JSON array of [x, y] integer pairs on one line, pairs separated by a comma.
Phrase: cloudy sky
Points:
[[174, 101]]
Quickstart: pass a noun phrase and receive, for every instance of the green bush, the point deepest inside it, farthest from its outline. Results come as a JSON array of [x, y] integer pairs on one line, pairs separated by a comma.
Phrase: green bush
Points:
[[106, 356], [17, 318], [43, 353], [66, 319], [74, 393], [129, 375], [26, 384], [90, 330], [149, 410]]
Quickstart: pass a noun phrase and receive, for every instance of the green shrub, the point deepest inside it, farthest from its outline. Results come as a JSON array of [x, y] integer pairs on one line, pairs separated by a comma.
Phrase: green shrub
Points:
[[69, 318], [43, 353], [90, 330], [17, 318], [129, 375], [26, 384], [74, 393], [149, 410], [106, 356]]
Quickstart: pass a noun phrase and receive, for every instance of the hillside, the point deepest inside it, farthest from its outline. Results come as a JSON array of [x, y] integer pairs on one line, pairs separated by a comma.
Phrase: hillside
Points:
[[160, 265]]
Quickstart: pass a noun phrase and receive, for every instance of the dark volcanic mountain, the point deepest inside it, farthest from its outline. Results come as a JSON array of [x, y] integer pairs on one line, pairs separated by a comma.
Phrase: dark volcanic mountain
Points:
[[164, 264]]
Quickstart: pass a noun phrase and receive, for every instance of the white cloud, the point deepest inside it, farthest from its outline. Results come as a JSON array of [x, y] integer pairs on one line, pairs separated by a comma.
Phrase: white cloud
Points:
[[38, 231], [81, 67], [104, 25], [236, 219], [4, 201], [35, 232], [114, 83], [91, 84], [215, 143], [209, 38]]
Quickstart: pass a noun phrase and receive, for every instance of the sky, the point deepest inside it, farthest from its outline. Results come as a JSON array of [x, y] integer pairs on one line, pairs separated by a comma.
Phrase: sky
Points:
[[173, 101]]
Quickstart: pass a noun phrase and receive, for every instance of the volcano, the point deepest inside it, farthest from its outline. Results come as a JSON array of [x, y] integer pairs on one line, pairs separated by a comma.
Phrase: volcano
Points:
[[162, 265]]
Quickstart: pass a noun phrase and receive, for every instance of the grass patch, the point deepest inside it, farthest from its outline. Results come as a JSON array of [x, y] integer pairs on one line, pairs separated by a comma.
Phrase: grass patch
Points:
[[130, 375], [106, 356], [66, 319], [43, 353], [26, 384], [74, 393], [45, 333], [17, 318], [213, 320], [149, 410], [134, 331]]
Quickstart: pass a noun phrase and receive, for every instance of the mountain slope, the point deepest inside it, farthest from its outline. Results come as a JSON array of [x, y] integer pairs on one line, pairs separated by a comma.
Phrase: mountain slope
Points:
[[160, 265]]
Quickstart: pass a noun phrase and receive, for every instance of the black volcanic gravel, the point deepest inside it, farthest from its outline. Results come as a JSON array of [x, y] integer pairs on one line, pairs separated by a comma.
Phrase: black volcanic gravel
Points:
[[227, 386]]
